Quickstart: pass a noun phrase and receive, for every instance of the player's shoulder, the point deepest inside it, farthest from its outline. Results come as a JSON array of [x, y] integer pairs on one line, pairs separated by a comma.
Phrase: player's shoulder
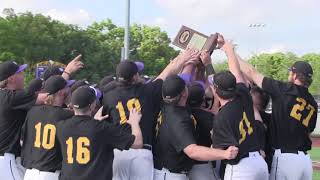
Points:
[[201, 113]]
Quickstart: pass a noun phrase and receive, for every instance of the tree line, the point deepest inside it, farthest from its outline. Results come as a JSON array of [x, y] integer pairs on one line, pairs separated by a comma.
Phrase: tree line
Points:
[[32, 38]]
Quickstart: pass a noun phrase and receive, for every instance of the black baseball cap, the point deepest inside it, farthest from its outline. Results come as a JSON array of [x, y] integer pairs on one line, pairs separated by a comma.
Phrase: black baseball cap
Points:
[[196, 93], [127, 69], [56, 83], [78, 84], [225, 81], [303, 68], [83, 97], [10, 68], [51, 71], [35, 85], [172, 86]]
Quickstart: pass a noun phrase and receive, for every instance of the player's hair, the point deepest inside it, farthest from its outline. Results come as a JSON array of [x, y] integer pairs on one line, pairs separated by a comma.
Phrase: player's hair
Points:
[[82, 110], [4, 83], [225, 94], [49, 99], [306, 81], [174, 100]]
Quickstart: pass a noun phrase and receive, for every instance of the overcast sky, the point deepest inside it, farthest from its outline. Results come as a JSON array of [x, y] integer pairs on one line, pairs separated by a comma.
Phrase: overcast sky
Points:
[[291, 25]]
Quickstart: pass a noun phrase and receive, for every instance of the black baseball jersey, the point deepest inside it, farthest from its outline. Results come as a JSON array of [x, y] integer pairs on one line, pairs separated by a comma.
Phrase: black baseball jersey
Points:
[[204, 122], [13, 109], [145, 97], [234, 125], [40, 149], [176, 132], [266, 118], [294, 115], [261, 131], [87, 147]]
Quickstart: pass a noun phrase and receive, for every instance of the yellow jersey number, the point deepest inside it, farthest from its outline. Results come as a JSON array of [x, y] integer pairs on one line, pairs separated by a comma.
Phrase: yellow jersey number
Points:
[[299, 107], [132, 103], [82, 151], [48, 136], [244, 132]]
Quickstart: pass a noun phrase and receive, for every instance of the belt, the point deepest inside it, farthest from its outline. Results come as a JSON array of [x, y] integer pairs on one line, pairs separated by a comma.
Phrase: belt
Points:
[[249, 154], [282, 151], [147, 147], [172, 171]]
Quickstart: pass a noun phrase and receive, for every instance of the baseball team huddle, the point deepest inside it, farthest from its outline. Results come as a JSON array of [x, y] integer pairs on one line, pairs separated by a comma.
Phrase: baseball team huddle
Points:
[[189, 122]]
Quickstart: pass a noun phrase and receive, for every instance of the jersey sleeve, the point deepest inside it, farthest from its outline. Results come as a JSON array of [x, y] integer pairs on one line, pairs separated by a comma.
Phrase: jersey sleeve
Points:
[[155, 88], [181, 134], [65, 114], [23, 100], [244, 92], [273, 87], [119, 136], [314, 119]]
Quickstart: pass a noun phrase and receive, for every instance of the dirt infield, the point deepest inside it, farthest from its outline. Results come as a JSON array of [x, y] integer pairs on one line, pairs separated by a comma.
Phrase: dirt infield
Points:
[[315, 142]]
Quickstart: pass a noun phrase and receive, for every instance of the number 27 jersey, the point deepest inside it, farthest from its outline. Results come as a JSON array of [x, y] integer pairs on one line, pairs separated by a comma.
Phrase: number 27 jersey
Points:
[[294, 115]]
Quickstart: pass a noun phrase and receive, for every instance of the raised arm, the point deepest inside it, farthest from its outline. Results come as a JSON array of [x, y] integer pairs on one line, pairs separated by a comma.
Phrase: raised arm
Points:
[[251, 73], [134, 120], [233, 63], [207, 62], [73, 67], [176, 65]]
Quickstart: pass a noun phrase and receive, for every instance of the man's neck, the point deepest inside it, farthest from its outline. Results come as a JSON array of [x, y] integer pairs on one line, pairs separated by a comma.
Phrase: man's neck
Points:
[[82, 114], [223, 102]]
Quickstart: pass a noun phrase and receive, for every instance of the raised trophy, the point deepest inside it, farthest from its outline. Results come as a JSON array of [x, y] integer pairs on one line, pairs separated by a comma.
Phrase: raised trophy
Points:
[[188, 37]]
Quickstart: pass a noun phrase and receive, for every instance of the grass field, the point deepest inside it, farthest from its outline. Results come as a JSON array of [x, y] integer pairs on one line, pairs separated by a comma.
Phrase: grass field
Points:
[[315, 156]]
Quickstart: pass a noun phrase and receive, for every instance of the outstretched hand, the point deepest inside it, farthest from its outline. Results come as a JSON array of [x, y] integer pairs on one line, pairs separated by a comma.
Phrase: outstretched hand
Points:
[[205, 58], [98, 116], [225, 45], [74, 65], [134, 117]]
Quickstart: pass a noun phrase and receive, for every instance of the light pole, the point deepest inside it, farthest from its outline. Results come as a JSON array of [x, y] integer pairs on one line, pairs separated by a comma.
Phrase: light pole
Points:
[[125, 52], [257, 27]]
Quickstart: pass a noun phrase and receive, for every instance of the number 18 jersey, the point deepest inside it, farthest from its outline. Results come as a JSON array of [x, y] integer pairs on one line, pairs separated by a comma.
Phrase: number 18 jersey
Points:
[[144, 97]]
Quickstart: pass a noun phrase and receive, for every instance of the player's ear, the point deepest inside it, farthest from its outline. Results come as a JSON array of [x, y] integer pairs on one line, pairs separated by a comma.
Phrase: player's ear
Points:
[[136, 77], [93, 106]]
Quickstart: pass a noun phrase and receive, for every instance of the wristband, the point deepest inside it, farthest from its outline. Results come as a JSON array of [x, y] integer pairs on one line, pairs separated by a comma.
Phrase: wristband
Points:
[[67, 73]]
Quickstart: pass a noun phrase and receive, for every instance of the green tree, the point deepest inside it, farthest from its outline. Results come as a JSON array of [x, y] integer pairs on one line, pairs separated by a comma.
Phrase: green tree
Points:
[[31, 38]]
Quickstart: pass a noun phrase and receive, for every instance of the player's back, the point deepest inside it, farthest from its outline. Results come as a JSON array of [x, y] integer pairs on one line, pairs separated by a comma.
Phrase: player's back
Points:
[[40, 148], [87, 147], [144, 97], [233, 125], [294, 115], [13, 109]]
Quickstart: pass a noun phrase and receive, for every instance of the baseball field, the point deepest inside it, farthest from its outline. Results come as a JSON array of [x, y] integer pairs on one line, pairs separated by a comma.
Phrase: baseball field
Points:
[[315, 156]]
